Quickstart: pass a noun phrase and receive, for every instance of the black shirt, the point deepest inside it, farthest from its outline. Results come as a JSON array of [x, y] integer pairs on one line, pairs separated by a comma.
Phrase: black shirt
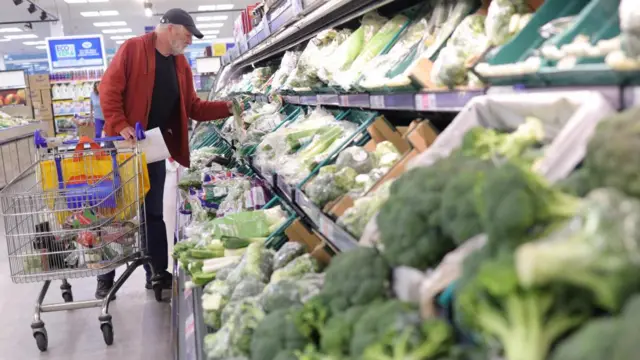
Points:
[[166, 94]]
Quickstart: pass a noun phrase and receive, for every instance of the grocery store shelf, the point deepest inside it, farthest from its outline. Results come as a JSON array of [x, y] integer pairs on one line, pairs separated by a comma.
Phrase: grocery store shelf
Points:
[[330, 14], [425, 101]]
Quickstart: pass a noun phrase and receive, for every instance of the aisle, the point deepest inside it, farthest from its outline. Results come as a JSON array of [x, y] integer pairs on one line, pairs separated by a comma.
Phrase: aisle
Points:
[[75, 335]]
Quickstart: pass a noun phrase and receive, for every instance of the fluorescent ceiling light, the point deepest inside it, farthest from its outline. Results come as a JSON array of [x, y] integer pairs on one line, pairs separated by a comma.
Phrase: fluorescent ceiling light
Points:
[[23, 36], [209, 25], [215, 7], [120, 42], [41, 47], [84, 1], [210, 32], [99, 13], [210, 37], [5, 40], [35, 42], [110, 23], [117, 31], [212, 18], [121, 37], [10, 30]]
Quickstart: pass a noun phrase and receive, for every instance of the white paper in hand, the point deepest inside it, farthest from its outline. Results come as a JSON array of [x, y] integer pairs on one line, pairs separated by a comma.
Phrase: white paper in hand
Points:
[[152, 145]]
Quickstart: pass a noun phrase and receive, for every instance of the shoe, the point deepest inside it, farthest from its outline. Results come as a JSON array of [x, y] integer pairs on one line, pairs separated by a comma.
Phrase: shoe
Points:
[[104, 286], [164, 277]]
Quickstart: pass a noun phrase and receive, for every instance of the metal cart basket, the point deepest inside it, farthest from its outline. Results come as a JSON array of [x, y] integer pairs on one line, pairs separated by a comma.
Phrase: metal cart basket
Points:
[[78, 211]]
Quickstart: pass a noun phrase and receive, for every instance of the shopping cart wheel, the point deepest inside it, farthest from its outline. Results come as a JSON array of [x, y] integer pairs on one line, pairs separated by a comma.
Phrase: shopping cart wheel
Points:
[[157, 291], [41, 340], [107, 333], [67, 296]]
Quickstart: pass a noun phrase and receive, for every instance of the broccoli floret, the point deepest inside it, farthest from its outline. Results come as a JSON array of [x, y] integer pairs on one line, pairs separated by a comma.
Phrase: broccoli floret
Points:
[[626, 346], [433, 338], [611, 153], [597, 250], [460, 220], [336, 335], [297, 268], [526, 322], [513, 200], [489, 143], [381, 320], [277, 337], [594, 341], [410, 220], [357, 277], [578, 183]]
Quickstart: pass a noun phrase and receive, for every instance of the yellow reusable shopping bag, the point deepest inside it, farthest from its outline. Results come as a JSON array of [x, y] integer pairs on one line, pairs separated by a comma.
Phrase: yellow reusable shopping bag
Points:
[[98, 179]]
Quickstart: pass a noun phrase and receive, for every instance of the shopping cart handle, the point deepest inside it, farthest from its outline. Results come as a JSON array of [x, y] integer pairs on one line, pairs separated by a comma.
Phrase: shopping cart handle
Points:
[[42, 143]]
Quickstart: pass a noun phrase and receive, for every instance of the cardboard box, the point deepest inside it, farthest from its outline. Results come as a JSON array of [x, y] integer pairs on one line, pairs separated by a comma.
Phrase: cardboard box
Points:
[[298, 232], [39, 82], [45, 95], [380, 130], [87, 130], [35, 96], [43, 112], [422, 136]]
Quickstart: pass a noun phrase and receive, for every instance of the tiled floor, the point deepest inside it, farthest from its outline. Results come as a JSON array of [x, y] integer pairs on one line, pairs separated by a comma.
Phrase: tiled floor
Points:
[[141, 325]]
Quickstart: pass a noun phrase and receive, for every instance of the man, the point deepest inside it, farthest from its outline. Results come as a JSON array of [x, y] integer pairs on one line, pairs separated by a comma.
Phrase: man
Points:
[[150, 81]]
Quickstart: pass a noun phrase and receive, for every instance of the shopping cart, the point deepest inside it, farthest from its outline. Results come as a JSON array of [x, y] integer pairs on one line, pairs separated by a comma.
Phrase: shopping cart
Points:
[[78, 211]]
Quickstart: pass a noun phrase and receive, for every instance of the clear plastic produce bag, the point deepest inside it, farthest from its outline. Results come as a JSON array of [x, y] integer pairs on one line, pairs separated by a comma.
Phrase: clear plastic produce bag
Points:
[[630, 27]]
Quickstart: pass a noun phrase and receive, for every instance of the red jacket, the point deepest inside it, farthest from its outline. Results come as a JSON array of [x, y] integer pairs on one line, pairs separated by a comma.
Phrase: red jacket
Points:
[[127, 86]]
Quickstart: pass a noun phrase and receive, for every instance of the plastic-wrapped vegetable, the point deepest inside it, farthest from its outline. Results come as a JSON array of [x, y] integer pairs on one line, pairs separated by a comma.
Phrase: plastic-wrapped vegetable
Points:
[[287, 253], [347, 52], [257, 263], [289, 292], [467, 41], [247, 288], [357, 159], [372, 49], [214, 300], [234, 338], [345, 178], [296, 269], [355, 219], [630, 27], [323, 189], [287, 66], [499, 17]]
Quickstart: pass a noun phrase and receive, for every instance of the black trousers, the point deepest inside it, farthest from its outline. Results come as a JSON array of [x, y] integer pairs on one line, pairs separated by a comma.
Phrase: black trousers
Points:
[[156, 239]]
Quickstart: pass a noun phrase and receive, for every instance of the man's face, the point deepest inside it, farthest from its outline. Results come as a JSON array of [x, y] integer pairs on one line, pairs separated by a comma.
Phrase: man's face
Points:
[[180, 38]]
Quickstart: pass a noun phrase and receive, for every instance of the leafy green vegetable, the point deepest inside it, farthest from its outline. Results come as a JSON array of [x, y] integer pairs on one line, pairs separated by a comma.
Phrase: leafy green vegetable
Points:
[[526, 322], [594, 341], [410, 220], [435, 336], [297, 268], [277, 337], [596, 249], [512, 200], [336, 335], [612, 163]]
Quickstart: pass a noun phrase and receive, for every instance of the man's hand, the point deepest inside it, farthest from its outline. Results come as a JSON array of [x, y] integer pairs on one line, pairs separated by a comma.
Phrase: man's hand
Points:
[[129, 134]]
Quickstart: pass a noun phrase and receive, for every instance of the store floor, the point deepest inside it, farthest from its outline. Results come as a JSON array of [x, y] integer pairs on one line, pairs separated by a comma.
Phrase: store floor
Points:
[[142, 327]]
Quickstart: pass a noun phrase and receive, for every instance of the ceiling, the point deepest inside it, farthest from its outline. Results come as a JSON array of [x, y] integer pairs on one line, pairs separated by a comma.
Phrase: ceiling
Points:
[[129, 11]]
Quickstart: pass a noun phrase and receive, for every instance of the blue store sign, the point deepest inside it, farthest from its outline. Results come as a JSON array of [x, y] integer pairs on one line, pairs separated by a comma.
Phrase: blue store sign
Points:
[[71, 52]]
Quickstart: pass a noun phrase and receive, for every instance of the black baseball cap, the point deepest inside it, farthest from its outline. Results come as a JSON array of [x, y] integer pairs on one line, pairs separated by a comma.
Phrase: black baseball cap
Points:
[[181, 17]]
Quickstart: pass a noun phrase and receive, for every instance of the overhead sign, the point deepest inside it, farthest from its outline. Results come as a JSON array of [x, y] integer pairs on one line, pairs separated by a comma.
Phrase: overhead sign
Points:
[[219, 49], [73, 52]]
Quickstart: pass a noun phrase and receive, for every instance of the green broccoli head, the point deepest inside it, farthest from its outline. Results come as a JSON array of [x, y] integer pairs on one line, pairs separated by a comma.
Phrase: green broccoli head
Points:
[[277, 337], [594, 341], [431, 339], [597, 250], [460, 219], [410, 220], [357, 277], [345, 179], [512, 201], [611, 153], [493, 304], [381, 320], [336, 335]]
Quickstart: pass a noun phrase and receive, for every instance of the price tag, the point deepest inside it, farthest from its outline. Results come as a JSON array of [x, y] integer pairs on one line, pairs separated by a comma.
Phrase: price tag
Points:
[[344, 100], [189, 326], [187, 294], [377, 101], [425, 102]]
